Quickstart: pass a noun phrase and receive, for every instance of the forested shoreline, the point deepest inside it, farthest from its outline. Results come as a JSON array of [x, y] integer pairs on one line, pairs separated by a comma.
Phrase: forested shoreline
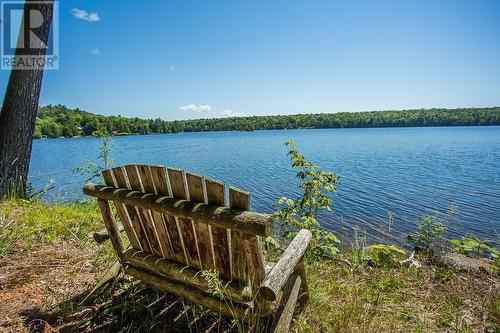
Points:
[[55, 121]]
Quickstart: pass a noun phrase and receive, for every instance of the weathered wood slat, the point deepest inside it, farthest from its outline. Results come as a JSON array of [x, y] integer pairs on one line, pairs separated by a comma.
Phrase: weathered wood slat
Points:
[[146, 178], [244, 221], [176, 178], [165, 225], [145, 216], [109, 179], [178, 251], [131, 211], [189, 293], [238, 200], [185, 225], [181, 273], [247, 253], [281, 272], [160, 180], [155, 219], [195, 187], [201, 230], [216, 196], [284, 312]]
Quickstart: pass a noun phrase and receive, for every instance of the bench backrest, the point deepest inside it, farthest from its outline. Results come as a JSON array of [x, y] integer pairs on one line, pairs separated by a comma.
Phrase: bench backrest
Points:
[[236, 255]]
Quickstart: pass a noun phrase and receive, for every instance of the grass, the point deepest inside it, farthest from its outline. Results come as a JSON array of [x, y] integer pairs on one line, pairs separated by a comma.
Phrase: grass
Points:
[[49, 263], [429, 299], [34, 221]]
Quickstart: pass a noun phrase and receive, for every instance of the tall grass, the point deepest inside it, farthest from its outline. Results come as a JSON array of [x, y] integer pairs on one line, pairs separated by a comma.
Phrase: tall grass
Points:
[[34, 221]]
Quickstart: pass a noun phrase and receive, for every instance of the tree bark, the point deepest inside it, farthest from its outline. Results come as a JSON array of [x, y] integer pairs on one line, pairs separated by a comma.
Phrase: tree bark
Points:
[[19, 109]]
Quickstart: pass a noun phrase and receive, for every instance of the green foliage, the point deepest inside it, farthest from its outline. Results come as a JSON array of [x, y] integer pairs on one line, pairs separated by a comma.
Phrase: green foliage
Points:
[[57, 120], [301, 213], [475, 246], [215, 284], [386, 255], [94, 169], [429, 229]]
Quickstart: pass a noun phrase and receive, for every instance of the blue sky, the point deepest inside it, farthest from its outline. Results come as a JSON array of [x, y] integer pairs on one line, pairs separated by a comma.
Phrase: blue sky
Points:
[[196, 59]]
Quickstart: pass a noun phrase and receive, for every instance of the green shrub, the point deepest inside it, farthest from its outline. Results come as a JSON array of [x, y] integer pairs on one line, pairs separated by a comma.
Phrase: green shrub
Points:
[[474, 246], [301, 213], [386, 255], [429, 229]]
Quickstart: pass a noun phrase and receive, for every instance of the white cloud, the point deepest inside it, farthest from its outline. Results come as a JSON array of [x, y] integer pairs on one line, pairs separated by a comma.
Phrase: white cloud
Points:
[[196, 107], [231, 113], [95, 51], [82, 14]]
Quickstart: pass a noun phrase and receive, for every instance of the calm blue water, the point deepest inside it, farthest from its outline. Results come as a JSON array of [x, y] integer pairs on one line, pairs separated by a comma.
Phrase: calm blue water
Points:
[[409, 171]]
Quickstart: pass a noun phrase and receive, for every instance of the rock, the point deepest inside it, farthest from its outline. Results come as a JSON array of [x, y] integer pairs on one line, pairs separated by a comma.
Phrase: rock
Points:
[[440, 246], [461, 262]]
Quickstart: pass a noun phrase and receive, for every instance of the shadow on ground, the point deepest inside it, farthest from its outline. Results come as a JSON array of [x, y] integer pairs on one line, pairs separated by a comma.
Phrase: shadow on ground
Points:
[[126, 306]]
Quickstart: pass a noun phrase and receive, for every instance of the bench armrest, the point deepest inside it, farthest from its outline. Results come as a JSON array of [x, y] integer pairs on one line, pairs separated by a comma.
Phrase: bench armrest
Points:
[[281, 272], [102, 235]]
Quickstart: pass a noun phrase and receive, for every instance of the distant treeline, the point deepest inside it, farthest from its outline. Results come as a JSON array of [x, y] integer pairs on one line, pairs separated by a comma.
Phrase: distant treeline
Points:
[[59, 121]]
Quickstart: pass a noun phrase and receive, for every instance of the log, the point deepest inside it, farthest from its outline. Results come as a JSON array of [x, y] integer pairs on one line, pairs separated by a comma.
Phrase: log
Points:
[[280, 273], [189, 293], [102, 235], [284, 312], [245, 221], [180, 273]]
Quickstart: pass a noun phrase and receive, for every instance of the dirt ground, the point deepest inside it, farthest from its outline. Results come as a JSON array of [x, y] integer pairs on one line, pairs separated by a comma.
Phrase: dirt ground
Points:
[[38, 279], [44, 289]]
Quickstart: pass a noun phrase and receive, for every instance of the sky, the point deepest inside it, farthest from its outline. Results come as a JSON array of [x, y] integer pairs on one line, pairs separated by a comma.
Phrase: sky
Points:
[[184, 59]]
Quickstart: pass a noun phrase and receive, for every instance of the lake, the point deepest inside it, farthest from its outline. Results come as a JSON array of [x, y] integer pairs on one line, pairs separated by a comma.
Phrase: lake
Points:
[[408, 171]]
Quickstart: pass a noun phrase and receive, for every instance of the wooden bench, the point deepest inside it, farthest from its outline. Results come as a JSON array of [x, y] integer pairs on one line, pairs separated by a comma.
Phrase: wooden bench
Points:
[[178, 225]]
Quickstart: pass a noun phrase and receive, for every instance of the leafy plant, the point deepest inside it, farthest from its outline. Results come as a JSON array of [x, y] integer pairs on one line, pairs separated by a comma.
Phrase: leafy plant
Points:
[[475, 246], [93, 169], [385, 255], [429, 229], [302, 212]]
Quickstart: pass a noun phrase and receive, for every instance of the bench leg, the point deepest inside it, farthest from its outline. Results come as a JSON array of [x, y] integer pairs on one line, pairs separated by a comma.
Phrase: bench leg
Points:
[[108, 277], [285, 310], [304, 289]]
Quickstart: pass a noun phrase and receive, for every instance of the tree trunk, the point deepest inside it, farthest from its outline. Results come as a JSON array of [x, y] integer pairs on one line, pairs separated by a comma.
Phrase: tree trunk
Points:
[[20, 105]]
